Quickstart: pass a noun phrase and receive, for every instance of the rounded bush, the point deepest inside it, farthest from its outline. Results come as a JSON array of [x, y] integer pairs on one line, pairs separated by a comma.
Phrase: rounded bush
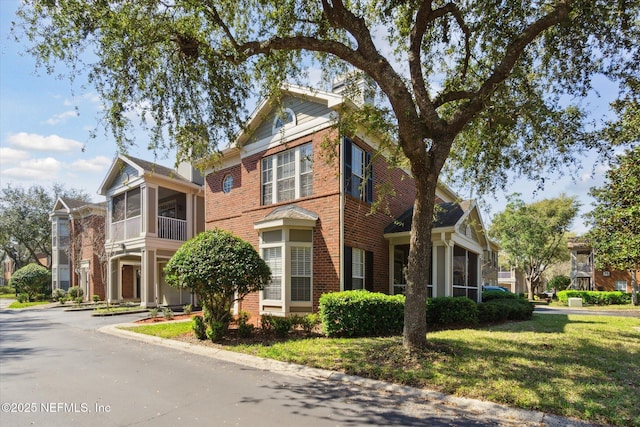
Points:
[[457, 311], [32, 279]]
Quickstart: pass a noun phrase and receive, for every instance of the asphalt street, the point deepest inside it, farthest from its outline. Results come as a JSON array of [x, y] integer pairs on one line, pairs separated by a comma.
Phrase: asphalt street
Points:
[[58, 369]]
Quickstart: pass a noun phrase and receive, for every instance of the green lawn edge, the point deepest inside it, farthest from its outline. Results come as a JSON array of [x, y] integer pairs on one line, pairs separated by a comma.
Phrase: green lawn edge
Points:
[[574, 365]]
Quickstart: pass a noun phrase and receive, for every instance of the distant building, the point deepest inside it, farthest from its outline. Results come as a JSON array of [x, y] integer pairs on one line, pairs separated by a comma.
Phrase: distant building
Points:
[[584, 275]]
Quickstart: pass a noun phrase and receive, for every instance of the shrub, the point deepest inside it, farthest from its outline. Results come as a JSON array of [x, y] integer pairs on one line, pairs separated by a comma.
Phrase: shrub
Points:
[[491, 295], [58, 293], [498, 310], [266, 322], [62, 300], [153, 312], [32, 280], [79, 300], [199, 328], [361, 313], [309, 322], [282, 325], [75, 292], [23, 297], [95, 298], [187, 309], [457, 311], [6, 290], [219, 268], [244, 327], [167, 313], [595, 297], [217, 331], [559, 283]]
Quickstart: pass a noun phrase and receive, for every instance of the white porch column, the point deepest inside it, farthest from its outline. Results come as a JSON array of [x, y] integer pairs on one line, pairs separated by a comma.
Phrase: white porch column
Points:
[[190, 215], [113, 280], [448, 268], [148, 288]]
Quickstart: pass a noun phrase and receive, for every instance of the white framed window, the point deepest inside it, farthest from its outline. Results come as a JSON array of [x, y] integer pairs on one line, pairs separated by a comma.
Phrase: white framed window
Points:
[[289, 254], [357, 269], [227, 183], [126, 205], [273, 258], [358, 171], [293, 175], [283, 120], [621, 285]]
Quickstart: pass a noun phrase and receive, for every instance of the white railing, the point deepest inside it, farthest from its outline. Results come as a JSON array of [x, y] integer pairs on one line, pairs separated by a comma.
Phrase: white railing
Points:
[[124, 230], [172, 229], [504, 275]]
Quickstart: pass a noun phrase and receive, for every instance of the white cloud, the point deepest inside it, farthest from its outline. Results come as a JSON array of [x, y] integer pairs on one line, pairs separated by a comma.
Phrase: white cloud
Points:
[[10, 155], [97, 164], [32, 141], [62, 117], [43, 170]]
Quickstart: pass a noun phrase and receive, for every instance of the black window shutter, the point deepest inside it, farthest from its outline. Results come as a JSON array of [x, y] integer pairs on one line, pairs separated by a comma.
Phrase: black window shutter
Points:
[[369, 178], [368, 270], [346, 144], [348, 272]]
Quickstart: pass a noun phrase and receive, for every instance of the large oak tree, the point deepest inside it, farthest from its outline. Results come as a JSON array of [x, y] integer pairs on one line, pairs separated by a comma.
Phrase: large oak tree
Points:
[[494, 81], [615, 218]]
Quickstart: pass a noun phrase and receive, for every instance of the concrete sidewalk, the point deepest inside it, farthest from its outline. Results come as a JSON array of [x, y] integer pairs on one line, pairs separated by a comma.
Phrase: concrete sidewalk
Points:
[[459, 410]]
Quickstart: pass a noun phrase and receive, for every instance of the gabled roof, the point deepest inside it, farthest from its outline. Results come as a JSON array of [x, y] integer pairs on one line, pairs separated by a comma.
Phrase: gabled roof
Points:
[[447, 215], [330, 99], [69, 205], [288, 215], [144, 168]]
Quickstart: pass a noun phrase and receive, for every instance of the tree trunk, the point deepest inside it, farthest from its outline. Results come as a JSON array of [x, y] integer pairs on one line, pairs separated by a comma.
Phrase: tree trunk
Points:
[[418, 269]]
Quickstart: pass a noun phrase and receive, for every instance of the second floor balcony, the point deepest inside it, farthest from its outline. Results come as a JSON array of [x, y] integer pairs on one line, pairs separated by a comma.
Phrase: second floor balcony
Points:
[[168, 228]]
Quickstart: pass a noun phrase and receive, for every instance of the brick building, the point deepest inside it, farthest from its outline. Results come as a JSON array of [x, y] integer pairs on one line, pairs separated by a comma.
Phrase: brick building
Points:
[[303, 195]]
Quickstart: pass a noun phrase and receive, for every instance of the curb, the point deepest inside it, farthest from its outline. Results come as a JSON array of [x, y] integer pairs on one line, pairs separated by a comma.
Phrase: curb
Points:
[[489, 412]]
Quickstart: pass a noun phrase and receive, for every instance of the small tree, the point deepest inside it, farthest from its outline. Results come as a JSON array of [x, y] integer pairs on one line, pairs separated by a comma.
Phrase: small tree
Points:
[[559, 282], [32, 279], [220, 269], [615, 236], [534, 235]]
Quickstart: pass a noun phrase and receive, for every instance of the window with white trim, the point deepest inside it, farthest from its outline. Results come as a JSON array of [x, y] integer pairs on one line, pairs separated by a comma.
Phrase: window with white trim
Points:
[[288, 252], [357, 269], [293, 176], [273, 258], [621, 285], [358, 171], [283, 119]]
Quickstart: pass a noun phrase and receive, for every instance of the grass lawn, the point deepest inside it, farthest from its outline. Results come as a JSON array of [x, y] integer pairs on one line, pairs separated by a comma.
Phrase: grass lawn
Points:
[[17, 304], [573, 365], [117, 309], [11, 295]]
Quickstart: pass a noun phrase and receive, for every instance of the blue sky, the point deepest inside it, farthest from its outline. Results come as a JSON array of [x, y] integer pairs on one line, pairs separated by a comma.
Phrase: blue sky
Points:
[[45, 126]]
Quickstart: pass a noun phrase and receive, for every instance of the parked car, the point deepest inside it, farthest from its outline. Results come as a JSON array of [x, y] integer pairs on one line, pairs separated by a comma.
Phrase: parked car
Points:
[[495, 288]]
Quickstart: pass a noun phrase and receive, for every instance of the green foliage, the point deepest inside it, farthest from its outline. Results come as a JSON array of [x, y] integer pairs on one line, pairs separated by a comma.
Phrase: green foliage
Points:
[[282, 325], [58, 293], [32, 279], [491, 295], [245, 329], [167, 313], [595, 297], [615, 219], [559, 283], [534, 235], [361, 313], [153, 312], [199, 328], [497, 310], [95, 298], [187, 308], [216, 331], [25, 228], [23, 297], [219, 268], [309, 322], [454, 311], [266, 322], [481, 82], [75, 292]]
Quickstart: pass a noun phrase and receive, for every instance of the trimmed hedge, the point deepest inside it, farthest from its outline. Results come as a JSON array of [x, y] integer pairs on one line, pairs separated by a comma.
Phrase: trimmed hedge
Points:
[[492, 295], [458, 311], [361, 313], [499, 310], [595, 297]]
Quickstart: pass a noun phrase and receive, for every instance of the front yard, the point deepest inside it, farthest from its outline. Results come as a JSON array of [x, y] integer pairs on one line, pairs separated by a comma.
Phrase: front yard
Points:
[[572, 365]]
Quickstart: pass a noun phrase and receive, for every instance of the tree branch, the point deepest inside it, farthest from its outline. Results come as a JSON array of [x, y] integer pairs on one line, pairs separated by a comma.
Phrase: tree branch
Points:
[[503, 69]]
